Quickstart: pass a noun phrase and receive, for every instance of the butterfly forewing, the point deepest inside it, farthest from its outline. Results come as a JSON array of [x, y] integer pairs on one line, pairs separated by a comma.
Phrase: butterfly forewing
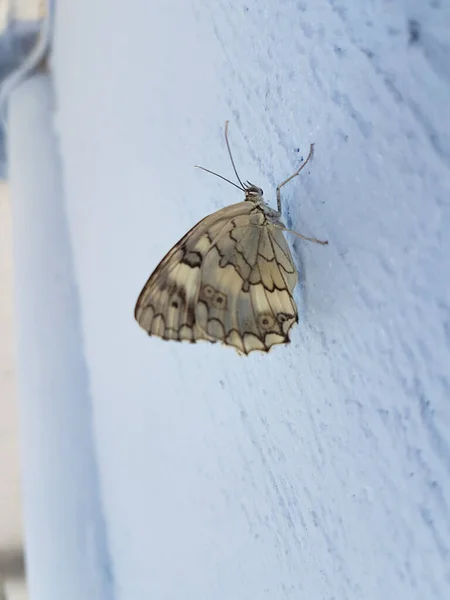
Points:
[[230, 279]]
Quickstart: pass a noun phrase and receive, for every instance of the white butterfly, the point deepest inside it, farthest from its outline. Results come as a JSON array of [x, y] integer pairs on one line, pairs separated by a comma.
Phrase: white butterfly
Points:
[[230, 279]]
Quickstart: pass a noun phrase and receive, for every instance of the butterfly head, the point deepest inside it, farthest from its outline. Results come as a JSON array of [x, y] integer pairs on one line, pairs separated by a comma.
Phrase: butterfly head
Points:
[[253, 193]]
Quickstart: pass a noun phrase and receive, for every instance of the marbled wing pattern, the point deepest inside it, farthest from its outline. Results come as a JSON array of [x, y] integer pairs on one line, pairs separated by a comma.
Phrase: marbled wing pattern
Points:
[[230, 279]]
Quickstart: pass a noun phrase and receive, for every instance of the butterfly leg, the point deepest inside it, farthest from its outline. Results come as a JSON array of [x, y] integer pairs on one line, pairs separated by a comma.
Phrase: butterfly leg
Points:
[[308, 239], [304, 163]]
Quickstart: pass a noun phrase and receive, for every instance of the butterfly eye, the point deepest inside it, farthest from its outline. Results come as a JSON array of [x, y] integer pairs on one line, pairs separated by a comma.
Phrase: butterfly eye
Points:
[[253, 191], [266, 321], [208, 291], [220, 300]]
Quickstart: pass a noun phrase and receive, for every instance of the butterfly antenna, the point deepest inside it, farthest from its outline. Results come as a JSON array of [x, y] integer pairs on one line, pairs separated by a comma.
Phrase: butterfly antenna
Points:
[[221, 177], [231, 156]]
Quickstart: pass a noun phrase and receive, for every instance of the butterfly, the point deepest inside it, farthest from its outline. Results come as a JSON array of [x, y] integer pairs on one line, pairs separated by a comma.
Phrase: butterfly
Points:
[[230, 279]]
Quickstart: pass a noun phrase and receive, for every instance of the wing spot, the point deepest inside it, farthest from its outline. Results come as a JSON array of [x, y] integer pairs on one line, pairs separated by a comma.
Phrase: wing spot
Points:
[[286, 321], [192, 258], [208, 291], [219, 300], [266, 321], [283, 317]]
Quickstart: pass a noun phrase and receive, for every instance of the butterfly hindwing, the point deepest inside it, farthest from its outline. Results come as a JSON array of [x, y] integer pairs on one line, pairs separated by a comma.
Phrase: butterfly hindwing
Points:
[[247, 282]]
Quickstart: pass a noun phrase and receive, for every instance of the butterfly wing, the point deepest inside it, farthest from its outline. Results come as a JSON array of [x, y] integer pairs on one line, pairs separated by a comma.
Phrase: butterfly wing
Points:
[[229, 279], [248, 278], [166, 306]]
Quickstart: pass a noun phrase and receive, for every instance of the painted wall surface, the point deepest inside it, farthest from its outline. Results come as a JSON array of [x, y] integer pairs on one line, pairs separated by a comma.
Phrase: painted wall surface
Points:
[[66, 553], [320, 470], [10, 505]]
